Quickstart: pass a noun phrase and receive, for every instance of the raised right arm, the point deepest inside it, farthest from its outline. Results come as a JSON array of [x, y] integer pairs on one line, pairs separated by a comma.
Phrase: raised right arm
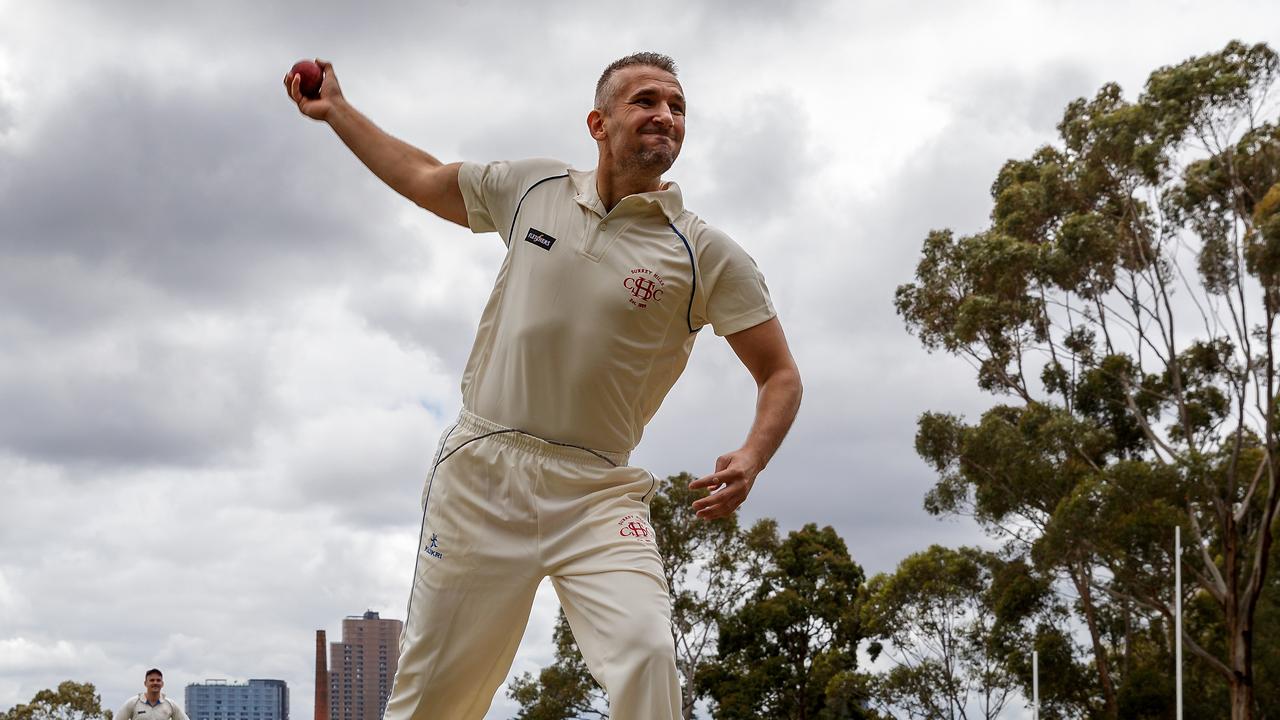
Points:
[[413, 173]]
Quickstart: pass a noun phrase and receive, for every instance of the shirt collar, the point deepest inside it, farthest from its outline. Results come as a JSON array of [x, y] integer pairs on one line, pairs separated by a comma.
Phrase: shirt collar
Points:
[[668, 200], [145, 701]]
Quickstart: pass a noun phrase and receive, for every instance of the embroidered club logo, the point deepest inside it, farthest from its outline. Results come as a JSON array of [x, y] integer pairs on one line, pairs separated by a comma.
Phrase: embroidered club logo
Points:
[[431, 547], [644, 285], [634, 526]]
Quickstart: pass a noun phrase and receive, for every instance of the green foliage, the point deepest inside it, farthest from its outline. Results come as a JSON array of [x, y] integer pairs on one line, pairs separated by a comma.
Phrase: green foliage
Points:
[[790, 651], [1209, 95], [705, 565], [564, 690], [70, 701], [950, 618]]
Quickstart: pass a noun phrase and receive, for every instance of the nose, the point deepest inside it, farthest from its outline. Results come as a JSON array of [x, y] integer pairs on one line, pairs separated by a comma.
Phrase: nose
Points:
[[662, 115]]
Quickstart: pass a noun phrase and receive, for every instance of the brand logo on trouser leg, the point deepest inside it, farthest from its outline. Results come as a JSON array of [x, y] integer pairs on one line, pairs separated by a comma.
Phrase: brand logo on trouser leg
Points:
[[431, 547]]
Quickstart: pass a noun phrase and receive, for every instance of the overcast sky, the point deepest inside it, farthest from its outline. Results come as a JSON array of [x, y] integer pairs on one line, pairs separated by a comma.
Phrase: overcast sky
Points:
[[227, 351]]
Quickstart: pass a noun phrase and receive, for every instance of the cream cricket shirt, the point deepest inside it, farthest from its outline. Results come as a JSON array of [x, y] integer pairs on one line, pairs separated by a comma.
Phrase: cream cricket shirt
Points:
[[594, 313], [137, 708]]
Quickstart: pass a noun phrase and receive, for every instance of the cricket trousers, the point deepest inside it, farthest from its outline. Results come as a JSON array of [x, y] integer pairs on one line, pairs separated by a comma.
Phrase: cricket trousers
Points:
[[502, 510]]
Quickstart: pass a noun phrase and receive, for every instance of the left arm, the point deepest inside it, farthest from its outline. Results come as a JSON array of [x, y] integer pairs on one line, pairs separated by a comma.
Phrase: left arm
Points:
[[763, 350], [175, 711]]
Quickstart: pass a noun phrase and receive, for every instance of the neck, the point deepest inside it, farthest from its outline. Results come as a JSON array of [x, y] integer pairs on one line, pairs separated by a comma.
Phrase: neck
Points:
[[153, 696], [612, 185]]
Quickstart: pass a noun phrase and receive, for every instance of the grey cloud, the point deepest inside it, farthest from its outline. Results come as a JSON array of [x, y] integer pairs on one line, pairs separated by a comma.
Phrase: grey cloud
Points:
[[186, 195], [758, 160], [45, 296], [137, 216], [6, 116], [149, 568], [1021, 98], [943, 184], [731, 16], [369, 468], [446, 329], [129, 398]]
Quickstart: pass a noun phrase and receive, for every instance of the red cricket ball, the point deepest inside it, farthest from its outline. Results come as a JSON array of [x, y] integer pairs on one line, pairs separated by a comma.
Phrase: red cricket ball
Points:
[[312, 76]]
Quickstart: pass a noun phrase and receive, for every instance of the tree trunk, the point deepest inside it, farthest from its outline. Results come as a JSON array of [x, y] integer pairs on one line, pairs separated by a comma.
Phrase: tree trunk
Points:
[[1109, 707], [1240, 683], [1241, 699], [1238, 619]]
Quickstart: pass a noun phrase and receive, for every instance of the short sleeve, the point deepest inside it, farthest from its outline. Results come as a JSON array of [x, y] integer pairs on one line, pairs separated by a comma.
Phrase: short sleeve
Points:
[[492, 191], [126, 711], [734, 296]]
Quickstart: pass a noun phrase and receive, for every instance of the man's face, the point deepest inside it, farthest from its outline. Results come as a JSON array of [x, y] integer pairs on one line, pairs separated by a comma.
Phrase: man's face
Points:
[[154, 683], [643, 123]]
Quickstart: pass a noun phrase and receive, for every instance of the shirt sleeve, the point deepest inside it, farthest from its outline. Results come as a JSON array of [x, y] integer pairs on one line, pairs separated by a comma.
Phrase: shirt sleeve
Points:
[[734, 296], [492, 191], [177, 711], [126, 711]]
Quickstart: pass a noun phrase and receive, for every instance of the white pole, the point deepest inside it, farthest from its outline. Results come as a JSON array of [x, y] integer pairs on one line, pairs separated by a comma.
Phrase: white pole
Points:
[[1035, 685], [1177, 615]]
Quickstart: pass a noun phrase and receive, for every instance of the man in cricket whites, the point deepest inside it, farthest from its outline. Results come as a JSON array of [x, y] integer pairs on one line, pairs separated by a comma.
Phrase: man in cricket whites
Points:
[[606, 282], [151, 704]]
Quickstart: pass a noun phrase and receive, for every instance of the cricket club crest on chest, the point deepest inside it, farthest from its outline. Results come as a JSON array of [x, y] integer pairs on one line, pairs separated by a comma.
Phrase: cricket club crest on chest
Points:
[[637, 528], [644, 286]]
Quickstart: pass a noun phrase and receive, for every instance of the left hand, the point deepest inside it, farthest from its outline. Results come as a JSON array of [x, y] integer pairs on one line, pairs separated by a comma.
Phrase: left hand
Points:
[[731, 482]]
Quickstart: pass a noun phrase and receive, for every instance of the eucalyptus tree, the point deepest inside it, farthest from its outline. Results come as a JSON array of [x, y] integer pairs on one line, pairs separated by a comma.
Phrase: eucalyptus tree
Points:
[[942, 617], [790, 651], [69, 701], [1123, 300]]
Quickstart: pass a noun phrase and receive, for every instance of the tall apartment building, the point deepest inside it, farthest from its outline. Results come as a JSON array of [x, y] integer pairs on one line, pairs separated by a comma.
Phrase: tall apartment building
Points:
[[223, 700], [362, 666]]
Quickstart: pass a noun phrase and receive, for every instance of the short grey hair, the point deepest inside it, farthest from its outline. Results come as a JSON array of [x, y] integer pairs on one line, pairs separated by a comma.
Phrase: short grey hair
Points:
[[606, 87]]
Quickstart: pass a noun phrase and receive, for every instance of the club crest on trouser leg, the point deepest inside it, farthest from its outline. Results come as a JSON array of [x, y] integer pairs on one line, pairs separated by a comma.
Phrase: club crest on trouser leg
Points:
[[634, 526]]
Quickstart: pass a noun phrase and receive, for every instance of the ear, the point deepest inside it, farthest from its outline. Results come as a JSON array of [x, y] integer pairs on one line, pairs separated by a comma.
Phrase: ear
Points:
[[595, 125]]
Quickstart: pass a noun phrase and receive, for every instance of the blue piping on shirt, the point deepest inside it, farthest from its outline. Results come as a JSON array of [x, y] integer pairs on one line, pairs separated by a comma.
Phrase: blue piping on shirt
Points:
[[516, 214], [693, 272]]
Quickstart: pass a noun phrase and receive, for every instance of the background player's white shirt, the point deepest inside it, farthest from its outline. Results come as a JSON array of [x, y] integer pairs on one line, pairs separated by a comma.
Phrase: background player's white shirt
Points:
[[594, 313], [136, 708]]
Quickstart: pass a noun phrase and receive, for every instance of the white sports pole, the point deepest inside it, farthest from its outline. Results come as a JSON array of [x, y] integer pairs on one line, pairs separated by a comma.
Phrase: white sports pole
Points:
[[1035, 685], [1177, 615]]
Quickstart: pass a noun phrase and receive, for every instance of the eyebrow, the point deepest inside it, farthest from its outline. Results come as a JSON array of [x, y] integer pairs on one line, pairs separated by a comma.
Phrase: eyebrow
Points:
[[652, 90]]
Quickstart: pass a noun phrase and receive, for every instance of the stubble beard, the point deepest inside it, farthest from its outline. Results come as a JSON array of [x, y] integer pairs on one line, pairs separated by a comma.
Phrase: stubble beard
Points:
[[651, 161]]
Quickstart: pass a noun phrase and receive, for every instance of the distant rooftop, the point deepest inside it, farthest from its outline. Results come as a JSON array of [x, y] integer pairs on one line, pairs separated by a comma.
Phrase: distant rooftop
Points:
[[234, 683], [368, 615]]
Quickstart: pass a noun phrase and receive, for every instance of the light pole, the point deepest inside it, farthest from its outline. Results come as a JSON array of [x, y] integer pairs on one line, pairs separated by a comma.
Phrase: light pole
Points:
[[1177, 616], [1035, 685]]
